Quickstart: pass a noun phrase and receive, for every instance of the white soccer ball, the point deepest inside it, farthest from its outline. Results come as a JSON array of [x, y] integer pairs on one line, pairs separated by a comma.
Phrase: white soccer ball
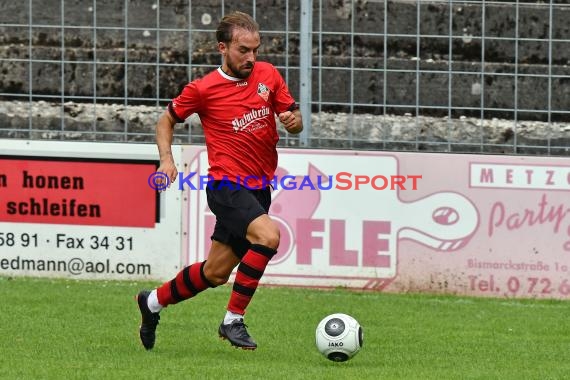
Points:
[[339, 337]]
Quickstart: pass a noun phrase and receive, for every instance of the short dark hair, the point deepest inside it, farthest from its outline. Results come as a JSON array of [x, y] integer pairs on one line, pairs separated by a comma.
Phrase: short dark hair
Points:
[[234, 20]]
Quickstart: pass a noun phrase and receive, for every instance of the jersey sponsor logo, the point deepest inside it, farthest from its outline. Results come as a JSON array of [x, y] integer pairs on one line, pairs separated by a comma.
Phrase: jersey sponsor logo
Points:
[[263, 91], [251, 119], [241, 84]]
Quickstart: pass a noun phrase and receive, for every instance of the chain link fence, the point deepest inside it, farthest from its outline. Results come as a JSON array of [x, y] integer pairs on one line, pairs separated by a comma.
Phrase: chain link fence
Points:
[[462, 76]]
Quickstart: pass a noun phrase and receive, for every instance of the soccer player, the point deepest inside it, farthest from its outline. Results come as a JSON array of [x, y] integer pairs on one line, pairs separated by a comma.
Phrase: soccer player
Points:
[[237, 104]]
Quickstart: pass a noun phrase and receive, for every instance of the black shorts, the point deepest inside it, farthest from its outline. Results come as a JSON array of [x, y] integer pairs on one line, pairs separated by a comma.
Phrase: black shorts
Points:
[[235, 208]]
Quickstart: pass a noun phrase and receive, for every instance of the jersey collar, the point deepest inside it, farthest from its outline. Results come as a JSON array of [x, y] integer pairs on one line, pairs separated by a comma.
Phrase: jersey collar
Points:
[[228, 77]]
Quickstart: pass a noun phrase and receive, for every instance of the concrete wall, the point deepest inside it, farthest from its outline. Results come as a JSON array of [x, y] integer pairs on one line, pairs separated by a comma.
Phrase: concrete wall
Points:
[[116, 81], [115, 122]]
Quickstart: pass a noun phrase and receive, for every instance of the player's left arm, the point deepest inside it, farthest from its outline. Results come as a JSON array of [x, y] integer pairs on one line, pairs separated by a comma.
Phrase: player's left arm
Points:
[[291, 118], [292, 121]]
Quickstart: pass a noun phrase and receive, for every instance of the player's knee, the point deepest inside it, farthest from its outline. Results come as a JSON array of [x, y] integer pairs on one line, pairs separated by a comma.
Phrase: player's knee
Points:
[[269, 238], [264, 231]]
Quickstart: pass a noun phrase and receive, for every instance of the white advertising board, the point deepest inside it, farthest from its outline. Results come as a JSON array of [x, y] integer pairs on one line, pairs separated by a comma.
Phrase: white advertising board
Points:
[[469, 224], [338, 234], [86, 210]]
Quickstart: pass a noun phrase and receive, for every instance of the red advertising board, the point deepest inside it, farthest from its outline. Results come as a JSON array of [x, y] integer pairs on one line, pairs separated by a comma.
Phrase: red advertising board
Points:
[[77, 191]]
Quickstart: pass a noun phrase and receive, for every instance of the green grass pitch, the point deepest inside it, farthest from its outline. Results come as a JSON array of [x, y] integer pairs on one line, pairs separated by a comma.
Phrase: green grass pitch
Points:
[[68, 329]]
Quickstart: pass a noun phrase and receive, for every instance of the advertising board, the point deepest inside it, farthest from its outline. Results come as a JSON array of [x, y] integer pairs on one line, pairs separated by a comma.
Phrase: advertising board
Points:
[[85, 210], [407, 222]]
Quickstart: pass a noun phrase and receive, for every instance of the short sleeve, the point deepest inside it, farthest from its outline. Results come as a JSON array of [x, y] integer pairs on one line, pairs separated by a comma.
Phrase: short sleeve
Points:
[[283, 101], [185, 104]]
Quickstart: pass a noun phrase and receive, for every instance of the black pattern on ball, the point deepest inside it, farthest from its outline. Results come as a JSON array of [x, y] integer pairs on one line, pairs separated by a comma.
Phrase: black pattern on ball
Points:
[[338, 356], [360, 337], [334, 327]]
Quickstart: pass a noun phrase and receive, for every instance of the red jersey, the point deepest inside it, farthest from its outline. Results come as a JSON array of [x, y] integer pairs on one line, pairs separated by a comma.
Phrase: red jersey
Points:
[[238, 118]]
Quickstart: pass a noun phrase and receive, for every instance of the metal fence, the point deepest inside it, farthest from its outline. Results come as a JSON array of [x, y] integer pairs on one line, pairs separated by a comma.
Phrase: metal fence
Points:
[[482, 76]]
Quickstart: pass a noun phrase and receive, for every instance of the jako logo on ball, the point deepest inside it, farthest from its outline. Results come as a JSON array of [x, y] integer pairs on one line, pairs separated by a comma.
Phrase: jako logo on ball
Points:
[[339, 337]]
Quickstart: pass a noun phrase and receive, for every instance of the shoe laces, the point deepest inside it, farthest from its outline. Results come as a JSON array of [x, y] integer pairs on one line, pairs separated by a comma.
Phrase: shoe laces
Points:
[[240, 328]]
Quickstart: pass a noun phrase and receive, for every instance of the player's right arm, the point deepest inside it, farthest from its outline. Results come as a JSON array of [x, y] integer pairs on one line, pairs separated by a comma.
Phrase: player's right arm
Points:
[[164, 136], [185, 104]]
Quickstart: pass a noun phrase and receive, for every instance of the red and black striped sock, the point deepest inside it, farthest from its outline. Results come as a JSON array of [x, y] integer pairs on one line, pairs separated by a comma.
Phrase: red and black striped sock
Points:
[[248, 274], [188, 282]]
